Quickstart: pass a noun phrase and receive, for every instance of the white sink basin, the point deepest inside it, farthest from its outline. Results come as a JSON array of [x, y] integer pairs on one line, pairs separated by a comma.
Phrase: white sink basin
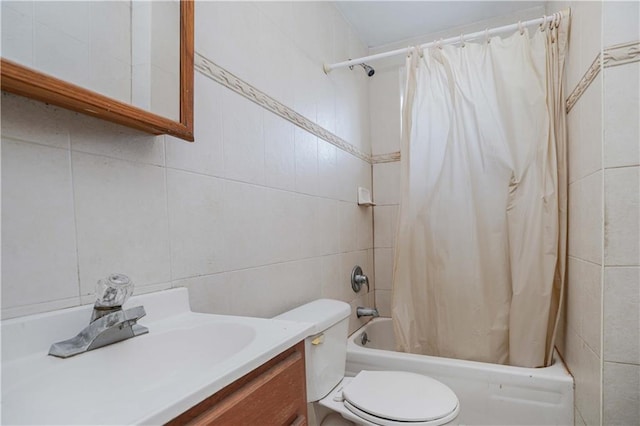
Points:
[[152, 378]]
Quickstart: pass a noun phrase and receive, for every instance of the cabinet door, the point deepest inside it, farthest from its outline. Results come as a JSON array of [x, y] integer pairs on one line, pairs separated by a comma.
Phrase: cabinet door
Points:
[[273, 394]]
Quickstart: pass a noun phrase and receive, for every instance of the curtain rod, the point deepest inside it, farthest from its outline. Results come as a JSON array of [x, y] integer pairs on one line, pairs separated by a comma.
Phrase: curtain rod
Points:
[[459, 39]]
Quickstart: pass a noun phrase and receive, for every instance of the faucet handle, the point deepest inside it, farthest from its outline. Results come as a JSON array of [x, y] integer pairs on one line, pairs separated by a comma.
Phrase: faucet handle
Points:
[[358, 278], [113, 291]]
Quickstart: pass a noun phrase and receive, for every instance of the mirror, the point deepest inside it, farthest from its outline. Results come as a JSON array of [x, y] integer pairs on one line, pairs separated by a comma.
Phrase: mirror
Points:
[[126, 62]]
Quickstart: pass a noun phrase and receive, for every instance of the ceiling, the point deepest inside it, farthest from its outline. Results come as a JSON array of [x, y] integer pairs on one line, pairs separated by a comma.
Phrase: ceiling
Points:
[[382, 22]]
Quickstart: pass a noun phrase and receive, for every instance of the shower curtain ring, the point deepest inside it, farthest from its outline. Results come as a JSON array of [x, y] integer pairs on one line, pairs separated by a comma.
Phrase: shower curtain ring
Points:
[[461, 40], [486, 35], [520, 27], [544, 22]]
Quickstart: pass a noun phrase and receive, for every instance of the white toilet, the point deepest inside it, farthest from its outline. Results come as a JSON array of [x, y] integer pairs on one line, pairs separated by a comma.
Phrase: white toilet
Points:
[[386, 398]]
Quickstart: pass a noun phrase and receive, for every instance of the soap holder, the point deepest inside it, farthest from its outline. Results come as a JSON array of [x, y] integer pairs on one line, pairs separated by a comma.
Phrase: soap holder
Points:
[[364, 197]]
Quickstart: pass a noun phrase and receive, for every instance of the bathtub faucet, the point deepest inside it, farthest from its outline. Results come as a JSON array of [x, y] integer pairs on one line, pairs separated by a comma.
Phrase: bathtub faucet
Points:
[[367, 312]]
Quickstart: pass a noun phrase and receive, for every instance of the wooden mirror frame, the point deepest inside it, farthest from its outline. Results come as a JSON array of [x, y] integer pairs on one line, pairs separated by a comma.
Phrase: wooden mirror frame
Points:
[[23, 81]]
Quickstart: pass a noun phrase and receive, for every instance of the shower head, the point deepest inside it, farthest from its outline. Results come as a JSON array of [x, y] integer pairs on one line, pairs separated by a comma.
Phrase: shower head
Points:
[[368, 69]]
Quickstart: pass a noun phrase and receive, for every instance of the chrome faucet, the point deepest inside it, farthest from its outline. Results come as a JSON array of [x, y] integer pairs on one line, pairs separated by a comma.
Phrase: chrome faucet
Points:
[[109, 323], [367, 312]]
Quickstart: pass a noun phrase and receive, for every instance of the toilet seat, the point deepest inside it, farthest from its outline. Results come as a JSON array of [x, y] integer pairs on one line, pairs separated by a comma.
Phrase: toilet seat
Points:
[[393, 398]]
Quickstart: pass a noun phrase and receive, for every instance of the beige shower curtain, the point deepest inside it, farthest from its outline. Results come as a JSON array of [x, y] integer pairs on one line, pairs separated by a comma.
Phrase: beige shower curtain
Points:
[[480, 251]]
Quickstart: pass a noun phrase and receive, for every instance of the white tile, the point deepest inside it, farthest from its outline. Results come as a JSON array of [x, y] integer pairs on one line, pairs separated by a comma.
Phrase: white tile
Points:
[[585, 218], [622, 216], [274, 61], [165, 41], [60, 55], [196, 224], [621, 112], [364, 228], [165, 93], [244, 230], [95, 136], [384, 108], [205, 155], [348, 226], [384, 268], [71, 17], [20, 311], [141, 86], [386, 183], [141, 33], [110, 76], [110, 29], [309, 28], [383, 302], [334, 284], [326, 104], [585, 150], [328, 172], [304, 85], [306, 155], [280, 13], [590, 32], [621, 22], [259, 292], [328, 229], [584, 290], [122, 224], [279, 152], [385, 220], [621, 314], [621, 397], [348, 177], [585, 368], [39, 259], [218, 22], [19, 115], [243, 138], [17, 33]]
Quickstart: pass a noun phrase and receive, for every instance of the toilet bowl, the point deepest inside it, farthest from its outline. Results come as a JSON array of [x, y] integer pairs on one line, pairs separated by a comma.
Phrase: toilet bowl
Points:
[[373, 398]]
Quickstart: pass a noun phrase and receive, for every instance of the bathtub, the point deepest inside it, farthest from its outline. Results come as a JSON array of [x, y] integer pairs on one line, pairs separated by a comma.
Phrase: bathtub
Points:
[[489, 394]]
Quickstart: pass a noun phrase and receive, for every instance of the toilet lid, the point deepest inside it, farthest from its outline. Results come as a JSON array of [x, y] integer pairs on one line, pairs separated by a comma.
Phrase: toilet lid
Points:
[[400, 396]]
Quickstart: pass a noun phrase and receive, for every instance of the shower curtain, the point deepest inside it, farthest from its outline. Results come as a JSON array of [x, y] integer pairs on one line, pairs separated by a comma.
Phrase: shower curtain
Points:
[[480, 251]]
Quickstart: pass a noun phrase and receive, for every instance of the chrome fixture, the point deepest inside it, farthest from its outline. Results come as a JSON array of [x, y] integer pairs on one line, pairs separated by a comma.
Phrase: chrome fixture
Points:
[[358, 278], [109, 323], [364, 339], [367, 312], [368, 69]]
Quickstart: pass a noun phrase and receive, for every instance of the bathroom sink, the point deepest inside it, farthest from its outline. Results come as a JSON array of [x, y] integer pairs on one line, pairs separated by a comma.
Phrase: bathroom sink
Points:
[[152, 378]]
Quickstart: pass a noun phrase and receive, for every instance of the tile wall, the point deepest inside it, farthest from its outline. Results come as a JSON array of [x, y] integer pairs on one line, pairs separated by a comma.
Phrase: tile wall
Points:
[[621, 186], [256, 217], [579, 338]]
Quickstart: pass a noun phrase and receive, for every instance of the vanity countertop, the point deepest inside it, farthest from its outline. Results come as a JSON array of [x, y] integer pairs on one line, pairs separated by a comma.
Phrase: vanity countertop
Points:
[[149, 379]]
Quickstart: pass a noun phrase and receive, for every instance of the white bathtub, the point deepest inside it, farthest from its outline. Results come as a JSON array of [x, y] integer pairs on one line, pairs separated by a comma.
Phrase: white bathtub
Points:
[[489, 394]]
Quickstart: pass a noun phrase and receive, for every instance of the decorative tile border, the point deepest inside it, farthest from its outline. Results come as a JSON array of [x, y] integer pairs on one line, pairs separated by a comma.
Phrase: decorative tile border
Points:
[[621, 54], [612, 56], [584, 83], [385, 158], [231, 81]]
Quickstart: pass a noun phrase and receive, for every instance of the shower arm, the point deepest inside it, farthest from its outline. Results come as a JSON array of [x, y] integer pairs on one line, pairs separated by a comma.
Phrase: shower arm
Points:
[[552, 19]]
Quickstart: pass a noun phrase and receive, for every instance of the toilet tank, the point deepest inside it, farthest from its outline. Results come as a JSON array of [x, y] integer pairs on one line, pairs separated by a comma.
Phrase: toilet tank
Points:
[[326, 346]]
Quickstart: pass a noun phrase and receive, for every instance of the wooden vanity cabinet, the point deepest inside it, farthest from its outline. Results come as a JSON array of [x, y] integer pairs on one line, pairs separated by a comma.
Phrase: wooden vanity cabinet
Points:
[[272, 394]]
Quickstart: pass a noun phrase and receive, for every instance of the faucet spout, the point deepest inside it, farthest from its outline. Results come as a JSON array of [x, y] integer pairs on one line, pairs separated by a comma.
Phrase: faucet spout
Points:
[[110, 328], [367, 312]]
